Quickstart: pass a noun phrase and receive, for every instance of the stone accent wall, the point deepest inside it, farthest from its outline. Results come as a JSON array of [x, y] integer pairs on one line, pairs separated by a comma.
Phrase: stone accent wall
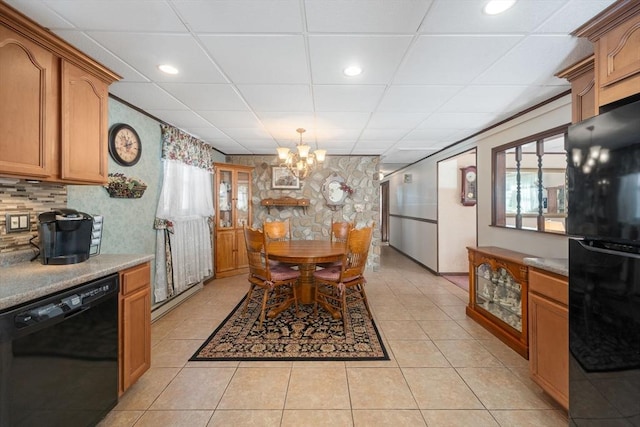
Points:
[[362, 207], [31, 198]]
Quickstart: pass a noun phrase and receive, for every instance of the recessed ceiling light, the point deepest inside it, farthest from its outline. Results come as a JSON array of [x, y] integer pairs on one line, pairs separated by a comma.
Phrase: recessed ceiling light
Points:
[[352, 70], [169, 69], [495, 7]]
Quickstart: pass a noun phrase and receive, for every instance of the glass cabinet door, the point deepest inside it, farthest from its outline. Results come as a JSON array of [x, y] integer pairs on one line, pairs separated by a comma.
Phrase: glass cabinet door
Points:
[[242, 202], [498, 293], [225, 199]]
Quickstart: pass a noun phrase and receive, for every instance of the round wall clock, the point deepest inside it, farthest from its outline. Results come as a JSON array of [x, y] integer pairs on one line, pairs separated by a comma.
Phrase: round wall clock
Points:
[[125, 146], [333, 192]]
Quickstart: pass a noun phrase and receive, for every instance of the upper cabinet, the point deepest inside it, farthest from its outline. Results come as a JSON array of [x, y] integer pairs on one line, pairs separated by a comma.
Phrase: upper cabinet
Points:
[[53, 106], [84, 125], [616, 36], [583, 89]]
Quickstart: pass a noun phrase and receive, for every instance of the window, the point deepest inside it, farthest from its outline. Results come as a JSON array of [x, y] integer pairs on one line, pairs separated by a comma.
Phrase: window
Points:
[[529, 183]]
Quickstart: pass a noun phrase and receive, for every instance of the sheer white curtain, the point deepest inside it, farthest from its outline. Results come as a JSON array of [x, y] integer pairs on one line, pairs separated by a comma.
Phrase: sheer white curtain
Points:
[[183, 216], [186, 203]]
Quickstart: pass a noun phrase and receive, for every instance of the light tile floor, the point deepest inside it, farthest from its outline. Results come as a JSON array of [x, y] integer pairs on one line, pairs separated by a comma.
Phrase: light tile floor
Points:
[[445, 370]]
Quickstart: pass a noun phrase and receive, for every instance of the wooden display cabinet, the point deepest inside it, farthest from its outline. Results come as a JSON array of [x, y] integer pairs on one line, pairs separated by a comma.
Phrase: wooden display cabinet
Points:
[[232, 194], [549, 333], [498, 294], [135, 325]]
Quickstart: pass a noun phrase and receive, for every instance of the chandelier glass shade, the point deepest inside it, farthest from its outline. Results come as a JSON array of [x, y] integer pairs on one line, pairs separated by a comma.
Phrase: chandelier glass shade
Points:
[[301, 161]]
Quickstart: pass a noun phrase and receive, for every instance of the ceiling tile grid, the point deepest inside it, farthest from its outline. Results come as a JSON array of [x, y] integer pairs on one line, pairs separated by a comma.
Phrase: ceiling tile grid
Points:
[[253, 71]]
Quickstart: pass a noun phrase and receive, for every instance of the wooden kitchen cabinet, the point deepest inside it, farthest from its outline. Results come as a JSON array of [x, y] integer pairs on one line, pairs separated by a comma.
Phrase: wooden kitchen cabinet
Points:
[[134, 324], [615, 33], [232, 194], [582, 77], [498, 293], [53, 106], [28, 106], [549, 333], [84, 101]]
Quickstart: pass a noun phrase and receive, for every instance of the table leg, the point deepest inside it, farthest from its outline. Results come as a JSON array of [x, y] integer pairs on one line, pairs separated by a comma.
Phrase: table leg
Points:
[[305, 284]]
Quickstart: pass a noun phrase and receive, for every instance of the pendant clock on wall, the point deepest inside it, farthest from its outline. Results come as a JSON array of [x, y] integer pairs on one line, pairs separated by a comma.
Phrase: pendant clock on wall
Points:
[[125, 146], [469, 190]]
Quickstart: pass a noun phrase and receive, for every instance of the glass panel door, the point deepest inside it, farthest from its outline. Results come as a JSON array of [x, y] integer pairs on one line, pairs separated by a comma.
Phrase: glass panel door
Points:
[[242, 202], [498, 293], [225, 199]]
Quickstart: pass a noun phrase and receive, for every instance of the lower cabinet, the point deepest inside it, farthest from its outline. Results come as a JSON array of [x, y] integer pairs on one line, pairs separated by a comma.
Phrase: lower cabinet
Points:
[[498, 294], [549, 333], [135, 324]]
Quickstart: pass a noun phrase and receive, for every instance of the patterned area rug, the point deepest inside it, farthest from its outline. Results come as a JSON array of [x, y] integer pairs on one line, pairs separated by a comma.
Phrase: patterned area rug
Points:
[[290, 337]]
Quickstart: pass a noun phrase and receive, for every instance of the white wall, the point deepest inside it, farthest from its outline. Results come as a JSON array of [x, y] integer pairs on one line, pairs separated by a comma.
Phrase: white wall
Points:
[[417, 235], [456, 222]]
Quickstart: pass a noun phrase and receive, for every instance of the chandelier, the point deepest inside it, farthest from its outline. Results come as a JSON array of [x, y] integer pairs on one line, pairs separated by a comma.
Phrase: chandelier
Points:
[[301, 161]]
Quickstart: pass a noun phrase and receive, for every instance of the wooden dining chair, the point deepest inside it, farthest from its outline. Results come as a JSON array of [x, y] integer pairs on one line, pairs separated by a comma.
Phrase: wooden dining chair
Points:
[[343, 286], [277, 230], [278, 282], [338, 233]]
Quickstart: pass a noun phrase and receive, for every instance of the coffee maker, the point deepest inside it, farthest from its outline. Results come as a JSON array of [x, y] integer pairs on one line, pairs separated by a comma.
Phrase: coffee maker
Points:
[[65, 236]]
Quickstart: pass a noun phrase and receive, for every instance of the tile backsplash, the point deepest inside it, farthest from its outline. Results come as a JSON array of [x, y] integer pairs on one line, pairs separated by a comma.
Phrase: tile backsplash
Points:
[[18, 196]]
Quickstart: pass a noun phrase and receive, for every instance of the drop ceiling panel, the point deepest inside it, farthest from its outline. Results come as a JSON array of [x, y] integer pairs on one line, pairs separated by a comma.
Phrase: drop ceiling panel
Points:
[[483, 99], [260, 59], [278, 98], [337, 137], [206, 96], [241, 16], [240, 134], [416, 99], [384, 134], [532, 62], [289, 122], [452, 59], [466, 16], [86, 44], [347, 97], [119, 15], [41, 13], [181, 118], [179, 50], [457, 120], [572, 15], [372, 144], [378, 57], [231, 119], [365, 16], [341, 120], [395, 120], [147, 96], [435, 134]]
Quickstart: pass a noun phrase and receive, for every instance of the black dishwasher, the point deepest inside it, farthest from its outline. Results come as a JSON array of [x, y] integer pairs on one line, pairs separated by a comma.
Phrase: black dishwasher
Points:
[[59, 357]]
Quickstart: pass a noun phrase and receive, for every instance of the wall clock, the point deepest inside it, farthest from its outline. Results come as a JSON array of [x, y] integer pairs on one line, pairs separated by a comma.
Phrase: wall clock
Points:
[[333, 192], [468, 193], [125, 146]]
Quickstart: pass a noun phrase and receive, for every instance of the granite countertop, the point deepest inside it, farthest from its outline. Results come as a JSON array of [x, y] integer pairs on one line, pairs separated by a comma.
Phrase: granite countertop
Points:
[[554, 265], [26, 281]]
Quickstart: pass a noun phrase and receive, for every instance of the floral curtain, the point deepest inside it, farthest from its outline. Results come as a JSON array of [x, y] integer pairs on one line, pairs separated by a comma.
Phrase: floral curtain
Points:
[[183, 215]]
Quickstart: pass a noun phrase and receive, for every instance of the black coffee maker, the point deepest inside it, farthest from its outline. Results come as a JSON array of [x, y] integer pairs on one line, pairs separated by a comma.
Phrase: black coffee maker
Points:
[[65, 236]]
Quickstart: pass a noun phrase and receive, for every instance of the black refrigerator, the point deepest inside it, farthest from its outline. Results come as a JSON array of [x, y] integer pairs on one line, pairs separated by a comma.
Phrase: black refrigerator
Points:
[[603, 179]]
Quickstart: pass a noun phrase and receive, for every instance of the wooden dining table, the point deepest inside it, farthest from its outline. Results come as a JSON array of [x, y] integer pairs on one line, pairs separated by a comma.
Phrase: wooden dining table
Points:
[[306, 254]]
